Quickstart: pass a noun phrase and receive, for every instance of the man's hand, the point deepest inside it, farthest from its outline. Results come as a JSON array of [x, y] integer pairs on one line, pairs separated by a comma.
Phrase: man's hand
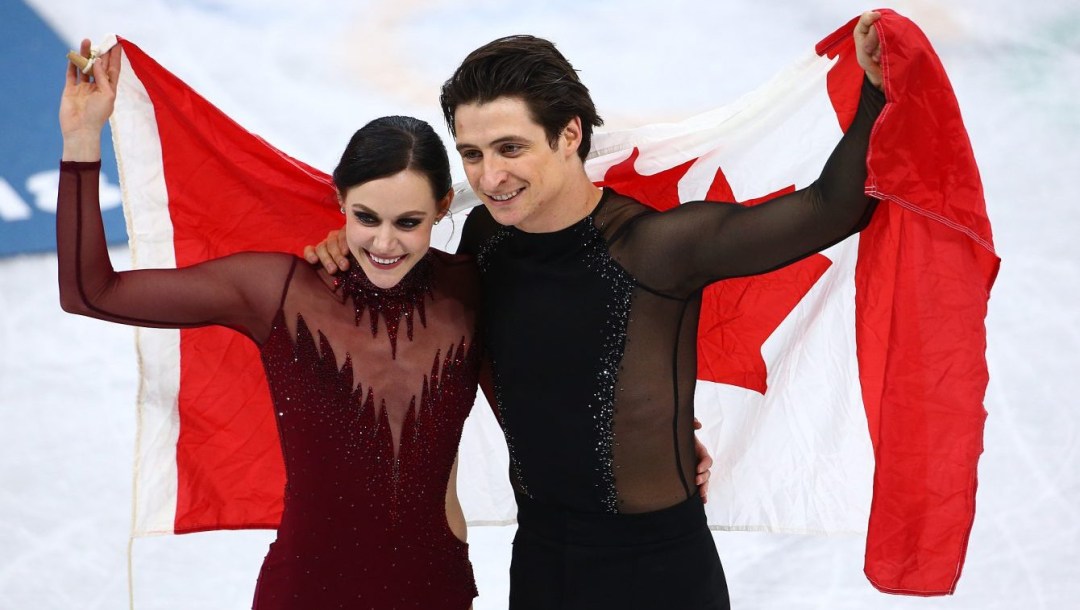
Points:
[[331, 253], [703, 465], [868, 47]]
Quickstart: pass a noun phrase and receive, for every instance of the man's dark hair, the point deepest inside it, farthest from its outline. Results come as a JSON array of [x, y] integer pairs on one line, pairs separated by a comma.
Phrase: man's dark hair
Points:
[[529, 68]]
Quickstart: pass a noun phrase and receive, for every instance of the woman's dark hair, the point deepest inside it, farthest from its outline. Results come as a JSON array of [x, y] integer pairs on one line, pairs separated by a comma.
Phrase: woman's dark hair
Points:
[[389, 145], [529, 68]]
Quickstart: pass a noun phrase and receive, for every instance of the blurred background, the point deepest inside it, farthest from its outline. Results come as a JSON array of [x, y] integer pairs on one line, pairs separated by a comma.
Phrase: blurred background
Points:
[[305, 75]]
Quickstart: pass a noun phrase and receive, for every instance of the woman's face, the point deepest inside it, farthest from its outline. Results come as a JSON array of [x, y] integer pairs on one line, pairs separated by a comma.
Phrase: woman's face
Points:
[[388, 224]]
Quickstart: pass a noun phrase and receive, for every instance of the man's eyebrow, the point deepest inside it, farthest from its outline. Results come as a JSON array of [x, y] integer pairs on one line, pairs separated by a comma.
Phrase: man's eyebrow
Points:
[[500, 140]]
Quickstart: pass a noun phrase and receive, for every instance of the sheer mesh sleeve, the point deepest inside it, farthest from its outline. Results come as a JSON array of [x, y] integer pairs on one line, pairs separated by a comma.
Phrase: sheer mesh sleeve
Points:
[[680, 251], [232, 291]]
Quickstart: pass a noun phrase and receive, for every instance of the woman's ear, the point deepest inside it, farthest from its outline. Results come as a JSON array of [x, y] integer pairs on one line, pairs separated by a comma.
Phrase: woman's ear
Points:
[[443, 206]]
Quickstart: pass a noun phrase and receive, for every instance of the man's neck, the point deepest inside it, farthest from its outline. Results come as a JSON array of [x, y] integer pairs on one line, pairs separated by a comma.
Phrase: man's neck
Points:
[[576, 202]]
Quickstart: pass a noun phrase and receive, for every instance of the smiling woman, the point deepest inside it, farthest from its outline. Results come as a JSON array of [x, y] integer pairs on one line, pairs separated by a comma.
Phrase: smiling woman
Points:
[[369, 425], [392, 195], [386, 232]]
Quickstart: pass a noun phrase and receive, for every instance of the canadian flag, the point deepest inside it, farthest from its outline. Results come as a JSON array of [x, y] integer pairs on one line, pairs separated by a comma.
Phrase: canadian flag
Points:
[[842, 393]]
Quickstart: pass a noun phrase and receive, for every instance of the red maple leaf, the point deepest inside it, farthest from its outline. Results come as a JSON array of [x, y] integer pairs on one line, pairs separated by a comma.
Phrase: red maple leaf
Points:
[[737, 315]]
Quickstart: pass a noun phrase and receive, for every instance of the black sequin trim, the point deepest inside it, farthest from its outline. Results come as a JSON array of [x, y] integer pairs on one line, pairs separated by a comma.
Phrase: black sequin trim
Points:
[[621, 284]]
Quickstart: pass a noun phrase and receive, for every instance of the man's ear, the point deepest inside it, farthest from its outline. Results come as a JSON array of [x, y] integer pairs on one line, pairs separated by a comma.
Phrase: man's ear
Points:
[[570, 137]]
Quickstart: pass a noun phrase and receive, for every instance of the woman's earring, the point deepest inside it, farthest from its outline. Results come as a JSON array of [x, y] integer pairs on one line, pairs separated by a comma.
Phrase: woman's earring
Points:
[[342, 209]]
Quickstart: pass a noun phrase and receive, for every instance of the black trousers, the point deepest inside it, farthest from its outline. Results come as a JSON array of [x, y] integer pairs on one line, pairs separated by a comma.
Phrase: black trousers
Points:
[[663, 560]]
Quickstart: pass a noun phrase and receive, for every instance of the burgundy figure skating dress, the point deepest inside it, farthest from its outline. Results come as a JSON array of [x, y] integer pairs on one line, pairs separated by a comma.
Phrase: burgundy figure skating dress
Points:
[[370, 388]]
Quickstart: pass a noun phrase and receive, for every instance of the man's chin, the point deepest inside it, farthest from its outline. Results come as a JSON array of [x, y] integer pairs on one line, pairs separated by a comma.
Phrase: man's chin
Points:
[[505, 216]]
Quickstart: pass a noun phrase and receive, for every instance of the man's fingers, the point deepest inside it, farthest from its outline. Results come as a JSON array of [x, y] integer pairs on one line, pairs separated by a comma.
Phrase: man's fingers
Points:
[[333, 251], [329, 253], [325, 258], [866, 23], [337, 249], [705, 462]]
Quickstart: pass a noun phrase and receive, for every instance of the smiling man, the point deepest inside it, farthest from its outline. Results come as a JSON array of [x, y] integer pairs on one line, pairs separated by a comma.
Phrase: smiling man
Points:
[[591, 308], [591, 305], [525, 177]]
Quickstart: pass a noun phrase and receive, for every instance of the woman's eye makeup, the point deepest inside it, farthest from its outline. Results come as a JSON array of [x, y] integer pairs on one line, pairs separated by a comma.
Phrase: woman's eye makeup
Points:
[[371, 220]]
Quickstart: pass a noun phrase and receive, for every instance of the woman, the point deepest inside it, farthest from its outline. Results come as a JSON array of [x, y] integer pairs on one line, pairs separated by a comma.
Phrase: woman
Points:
[[371, 375]]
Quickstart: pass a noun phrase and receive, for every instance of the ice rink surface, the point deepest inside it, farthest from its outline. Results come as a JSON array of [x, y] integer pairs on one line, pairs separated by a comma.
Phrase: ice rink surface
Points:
[[304, 75]]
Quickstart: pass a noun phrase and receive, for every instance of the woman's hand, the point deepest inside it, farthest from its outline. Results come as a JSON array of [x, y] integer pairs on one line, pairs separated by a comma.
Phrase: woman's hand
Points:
[[87, 103], [868, 47]]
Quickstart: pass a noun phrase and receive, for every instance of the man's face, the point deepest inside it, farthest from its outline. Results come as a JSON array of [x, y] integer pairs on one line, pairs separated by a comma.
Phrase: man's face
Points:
[[510, 164]]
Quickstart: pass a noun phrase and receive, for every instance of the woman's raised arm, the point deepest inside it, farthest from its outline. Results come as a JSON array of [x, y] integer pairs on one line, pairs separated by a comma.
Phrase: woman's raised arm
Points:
[[241, 291]]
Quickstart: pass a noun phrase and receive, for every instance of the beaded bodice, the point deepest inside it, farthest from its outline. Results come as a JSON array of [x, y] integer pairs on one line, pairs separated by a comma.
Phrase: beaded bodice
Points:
[[370, 420], [390, 305]]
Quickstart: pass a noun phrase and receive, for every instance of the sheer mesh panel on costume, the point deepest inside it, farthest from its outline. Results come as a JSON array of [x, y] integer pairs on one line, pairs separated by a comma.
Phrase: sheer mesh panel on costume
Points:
[[672, 256], [653, 453], [391, 368], [593, 328]]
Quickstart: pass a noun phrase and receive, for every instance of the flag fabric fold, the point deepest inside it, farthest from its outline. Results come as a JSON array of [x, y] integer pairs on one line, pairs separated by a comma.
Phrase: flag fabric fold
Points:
[[926, 266], [842, 393], [197, 186]]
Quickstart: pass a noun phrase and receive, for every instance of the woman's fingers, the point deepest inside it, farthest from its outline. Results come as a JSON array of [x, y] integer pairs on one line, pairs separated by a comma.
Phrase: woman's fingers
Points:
[[84, 50], [113, 65], [72, 75]]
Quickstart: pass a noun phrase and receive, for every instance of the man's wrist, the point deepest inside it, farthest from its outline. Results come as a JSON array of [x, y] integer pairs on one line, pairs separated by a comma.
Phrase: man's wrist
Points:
[[875, 80]]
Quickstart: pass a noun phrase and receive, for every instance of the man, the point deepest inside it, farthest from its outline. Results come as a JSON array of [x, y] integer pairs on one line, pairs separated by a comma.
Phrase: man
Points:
[[591, 308]]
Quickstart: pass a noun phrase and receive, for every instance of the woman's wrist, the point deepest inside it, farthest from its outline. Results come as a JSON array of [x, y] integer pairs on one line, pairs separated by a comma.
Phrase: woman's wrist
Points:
[[81, 147]]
